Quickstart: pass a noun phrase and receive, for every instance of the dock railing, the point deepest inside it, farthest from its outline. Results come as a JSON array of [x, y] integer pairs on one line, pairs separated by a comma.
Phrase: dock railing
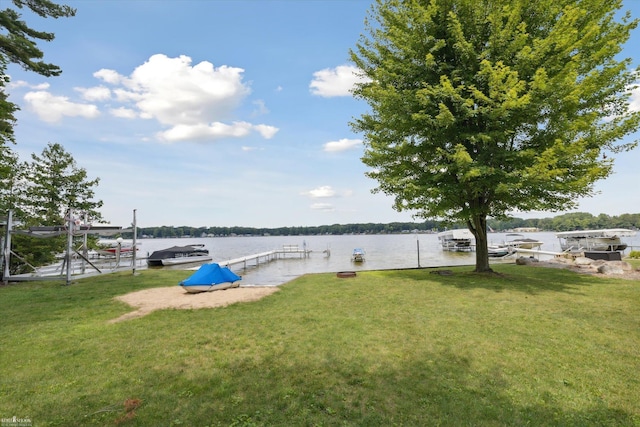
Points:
[[255, 259]]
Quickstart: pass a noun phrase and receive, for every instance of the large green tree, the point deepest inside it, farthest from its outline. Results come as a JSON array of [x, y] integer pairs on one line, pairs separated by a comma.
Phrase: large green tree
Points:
[[481, 107]]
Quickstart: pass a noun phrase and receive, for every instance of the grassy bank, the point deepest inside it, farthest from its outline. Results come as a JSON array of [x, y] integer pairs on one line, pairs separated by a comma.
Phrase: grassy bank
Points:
[[534, 346]]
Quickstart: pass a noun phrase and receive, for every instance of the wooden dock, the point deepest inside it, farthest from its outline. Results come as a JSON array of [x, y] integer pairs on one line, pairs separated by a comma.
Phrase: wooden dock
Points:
[[262, 257]]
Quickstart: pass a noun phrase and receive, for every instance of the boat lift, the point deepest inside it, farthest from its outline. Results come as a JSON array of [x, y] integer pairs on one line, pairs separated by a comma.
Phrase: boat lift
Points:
[[73, 227], [572, 253]]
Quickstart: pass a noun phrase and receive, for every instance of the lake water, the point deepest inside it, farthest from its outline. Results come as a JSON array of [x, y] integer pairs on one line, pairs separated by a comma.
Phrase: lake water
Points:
[[389, 251]]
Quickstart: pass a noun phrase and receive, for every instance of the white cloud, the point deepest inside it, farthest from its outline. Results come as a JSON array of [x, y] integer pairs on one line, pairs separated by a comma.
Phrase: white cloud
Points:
[[175, 93], [97, 93], [634, 104], [203, 131], [52, 108], [266, 131], [260, 109], [320, 192], [22, 83], [193, 101], [342, 145], [108, 76], [123, 113], [338, 81], [322, 207], [125, 96], [212, 131]]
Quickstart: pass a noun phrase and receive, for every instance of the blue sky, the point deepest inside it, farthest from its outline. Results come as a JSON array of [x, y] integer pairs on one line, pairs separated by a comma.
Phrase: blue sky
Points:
[[223, 113]]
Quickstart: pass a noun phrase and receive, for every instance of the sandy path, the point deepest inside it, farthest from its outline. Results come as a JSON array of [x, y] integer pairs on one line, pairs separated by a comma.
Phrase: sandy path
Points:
[[149, 300]]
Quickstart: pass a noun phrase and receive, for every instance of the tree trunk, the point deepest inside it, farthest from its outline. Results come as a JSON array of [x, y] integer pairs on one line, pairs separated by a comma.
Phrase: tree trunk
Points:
[[478, 226]]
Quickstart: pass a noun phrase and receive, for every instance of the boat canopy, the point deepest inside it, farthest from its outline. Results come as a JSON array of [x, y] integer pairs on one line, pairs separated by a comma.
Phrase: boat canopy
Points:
[[607, 232], [174, 251], [211, 274], [456, 234]]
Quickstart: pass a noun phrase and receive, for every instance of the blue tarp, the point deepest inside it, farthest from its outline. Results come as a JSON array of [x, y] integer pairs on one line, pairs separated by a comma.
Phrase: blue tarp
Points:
[[211, 274]]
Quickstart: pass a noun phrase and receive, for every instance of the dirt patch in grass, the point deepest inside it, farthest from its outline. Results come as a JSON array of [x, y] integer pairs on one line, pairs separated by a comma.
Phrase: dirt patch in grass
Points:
[[149, 300]]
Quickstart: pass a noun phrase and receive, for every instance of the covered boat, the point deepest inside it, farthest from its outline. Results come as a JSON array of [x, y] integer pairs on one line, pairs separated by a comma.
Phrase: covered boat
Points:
[[357, 255], [594, 240], [511, 246], [519, 241], [179, 255], [210, 277], [458, 240]]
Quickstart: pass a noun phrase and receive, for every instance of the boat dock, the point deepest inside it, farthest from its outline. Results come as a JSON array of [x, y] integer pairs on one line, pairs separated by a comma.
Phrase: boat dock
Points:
[[81, 269], [256, 259]]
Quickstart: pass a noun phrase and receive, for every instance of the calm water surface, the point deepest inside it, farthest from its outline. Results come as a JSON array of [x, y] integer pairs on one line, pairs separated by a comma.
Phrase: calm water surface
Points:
[[382, 252]]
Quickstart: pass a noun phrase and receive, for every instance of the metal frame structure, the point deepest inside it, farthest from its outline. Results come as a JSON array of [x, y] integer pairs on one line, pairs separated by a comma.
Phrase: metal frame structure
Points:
[[73, 227]]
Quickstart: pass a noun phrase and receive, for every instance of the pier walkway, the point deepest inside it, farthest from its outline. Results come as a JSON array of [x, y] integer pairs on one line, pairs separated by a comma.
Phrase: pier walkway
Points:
[[255, 259]]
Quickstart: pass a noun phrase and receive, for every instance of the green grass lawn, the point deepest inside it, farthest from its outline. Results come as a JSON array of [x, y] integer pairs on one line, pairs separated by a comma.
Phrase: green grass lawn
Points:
[[532, 346]]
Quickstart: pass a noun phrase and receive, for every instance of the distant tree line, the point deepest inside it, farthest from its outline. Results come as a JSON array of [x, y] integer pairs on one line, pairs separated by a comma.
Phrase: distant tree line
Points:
[[565, 222]]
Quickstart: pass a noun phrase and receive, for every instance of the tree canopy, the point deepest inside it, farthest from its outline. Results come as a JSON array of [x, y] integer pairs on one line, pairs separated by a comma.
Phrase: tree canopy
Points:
[[18, 45], [40, 193], [54, 183], [483, 107]]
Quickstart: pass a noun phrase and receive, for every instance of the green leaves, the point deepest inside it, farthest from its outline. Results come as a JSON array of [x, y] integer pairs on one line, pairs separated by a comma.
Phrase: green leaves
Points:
[[482, 107], [56, 184], [18, 45], [472, 99]]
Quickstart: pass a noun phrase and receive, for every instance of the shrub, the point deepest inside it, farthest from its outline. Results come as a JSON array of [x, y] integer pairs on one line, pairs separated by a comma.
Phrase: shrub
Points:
[[634, 254]]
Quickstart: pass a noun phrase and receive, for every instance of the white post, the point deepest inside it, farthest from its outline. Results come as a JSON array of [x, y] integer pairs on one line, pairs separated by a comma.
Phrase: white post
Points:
[[70, 225], [135, 248], [118, 249], [7, 248], [85, 250]]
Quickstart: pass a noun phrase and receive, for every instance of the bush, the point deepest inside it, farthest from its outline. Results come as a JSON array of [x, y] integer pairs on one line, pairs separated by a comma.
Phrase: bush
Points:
[[634, 254]]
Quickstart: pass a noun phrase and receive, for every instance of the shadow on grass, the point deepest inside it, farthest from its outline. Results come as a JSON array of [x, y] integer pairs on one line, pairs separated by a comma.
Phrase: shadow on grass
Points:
[[527, 279], [314, 354], [428, 389]]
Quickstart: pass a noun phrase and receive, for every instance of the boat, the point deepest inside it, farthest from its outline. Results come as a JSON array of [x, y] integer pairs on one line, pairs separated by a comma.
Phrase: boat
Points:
[[518, 241], [606, 240], [179, 255], [124, 251], [499, 251], [458, 240], [210, 277], [112, 247], [512, 245], [357, 255]]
